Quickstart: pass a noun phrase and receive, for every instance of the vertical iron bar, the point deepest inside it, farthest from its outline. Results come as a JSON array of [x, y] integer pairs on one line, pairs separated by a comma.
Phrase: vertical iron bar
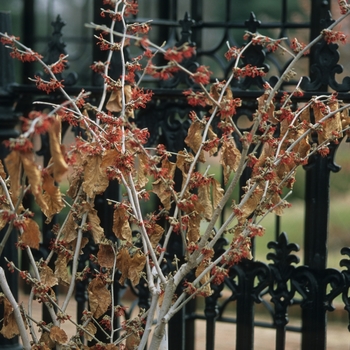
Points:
[[245, 304], [8, 122], [314, 319], [315, 244], [211, 312], [280, 337]]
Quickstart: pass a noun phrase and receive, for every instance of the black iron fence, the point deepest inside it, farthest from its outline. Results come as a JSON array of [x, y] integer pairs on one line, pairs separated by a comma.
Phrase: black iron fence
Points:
[[278, 285]]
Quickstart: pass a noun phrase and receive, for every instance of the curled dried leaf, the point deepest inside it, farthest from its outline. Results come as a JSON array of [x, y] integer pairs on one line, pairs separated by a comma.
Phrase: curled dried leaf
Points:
[[34, 178], [205, 199], [31, 234], [193, 232], [52, 197], [122, 264], [267, 109], [2, 170], [130, 267], [105, 256], [58, 335], [95, 227], [9, 325], [156, 234], [194, 138], [99, 297], [47, 276], [69, 231], [60, 166], [95, 177], [61, 269], [218, 193], [142, 169], [230, 158], [162, 187], [206, 290], [13, 167], [115, 102], [137, 263], [91, 329], [121, 226], [47, 342], [132, 341], [252, 203]]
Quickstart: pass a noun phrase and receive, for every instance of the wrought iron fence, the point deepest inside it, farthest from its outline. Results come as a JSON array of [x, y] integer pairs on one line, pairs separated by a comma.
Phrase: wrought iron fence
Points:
[[278, 285]]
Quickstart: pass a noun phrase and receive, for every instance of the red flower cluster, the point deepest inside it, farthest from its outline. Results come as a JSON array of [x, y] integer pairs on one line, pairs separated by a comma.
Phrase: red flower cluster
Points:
[[332, 36], [29, 56], [257, 39], [135, 28], [48, 86], [228, 107], [140, 97], [344, 7], [195, 98], [249, 71], [232, 53], [202, 75], [59, 66], [297, 46], [178, 54]]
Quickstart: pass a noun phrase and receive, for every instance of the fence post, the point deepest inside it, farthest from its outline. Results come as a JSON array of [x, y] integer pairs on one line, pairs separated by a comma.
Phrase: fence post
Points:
[[8, 122]]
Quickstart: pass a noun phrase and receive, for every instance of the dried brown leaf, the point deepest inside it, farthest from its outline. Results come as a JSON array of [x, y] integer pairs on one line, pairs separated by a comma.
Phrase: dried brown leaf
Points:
[[105, 256], [58, 335], [194, 138], [52, 197], [34, 178], [205, 199], [99, 297], [60, 166], [31, 234], [95, 177], [91, 328], [75, 181], [184, 161], [206, 290], [69, 231], [137, 263], [2, 170], [61, 269], [132, 341], [230, 158], [114, 103], [142, 170], [193, 232], [47, 276], [251, 204], [95, 227], [13, 167], [121, 226], [212, 136], [267, 151], [269, 110], [218, 193], [9, 325], [161, 187], [122, 264], [130, 267], [46, 342], [156, 234], [332, 124]]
